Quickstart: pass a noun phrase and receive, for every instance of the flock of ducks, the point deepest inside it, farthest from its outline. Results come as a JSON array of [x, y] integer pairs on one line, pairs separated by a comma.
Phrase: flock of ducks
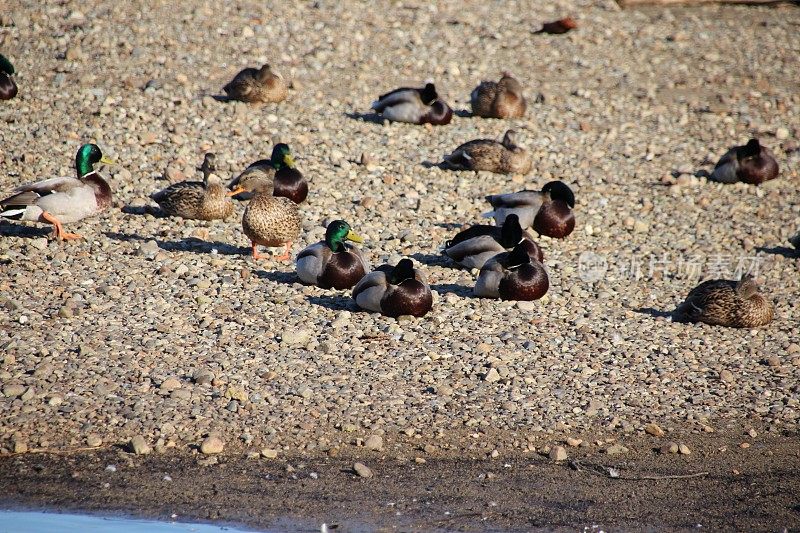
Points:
[[509, 260]]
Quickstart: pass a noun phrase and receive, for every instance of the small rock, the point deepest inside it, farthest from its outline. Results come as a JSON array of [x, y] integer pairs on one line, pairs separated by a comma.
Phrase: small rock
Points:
[[73, 53], [640, 226], [269, 453], [773, 361], [296, 337], [654, 430], [684, 449], [572, 441], [726, 376], [93, 440], [752, 432], [20, 446], [374, 442], [139, 446], [170, 384], [362, 470], [212, 445], [670, 447], [492, 375], [744, 445], [781, 133], [13, 390], [616, 449], [558, 453], [203, 376]]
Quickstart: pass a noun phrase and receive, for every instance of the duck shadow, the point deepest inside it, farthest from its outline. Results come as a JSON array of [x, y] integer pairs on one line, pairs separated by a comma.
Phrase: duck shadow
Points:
[[785, 251], [431, 259], [189, 244], [334, 303], [144, 210], [277, 276], [459, 290], [448, 225], [463, 113], [655, 313], [26, 232], [375, 118]]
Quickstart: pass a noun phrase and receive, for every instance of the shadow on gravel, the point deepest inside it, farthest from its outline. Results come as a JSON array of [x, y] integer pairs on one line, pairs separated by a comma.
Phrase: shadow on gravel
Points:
[[431, 259], [28, 232], [444, 288], [189, 244], [334, 303], [366, 117], [463, 113], [287, 278], [655, 313], [785, 251]]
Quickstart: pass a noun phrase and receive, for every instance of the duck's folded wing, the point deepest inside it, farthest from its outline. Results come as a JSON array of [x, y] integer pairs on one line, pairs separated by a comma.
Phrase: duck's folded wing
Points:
[[516, 199], [178, 188], [49, 186], [473, 232], [396, 97], [483, 246]]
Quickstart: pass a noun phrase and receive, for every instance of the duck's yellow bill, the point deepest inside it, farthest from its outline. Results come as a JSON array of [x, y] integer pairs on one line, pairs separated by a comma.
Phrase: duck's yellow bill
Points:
[[353, 237], [236, 191], [288, 160], [106, 160]]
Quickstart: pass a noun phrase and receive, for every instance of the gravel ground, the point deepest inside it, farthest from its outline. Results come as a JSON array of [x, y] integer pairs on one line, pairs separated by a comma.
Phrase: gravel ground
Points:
[[167, 329]]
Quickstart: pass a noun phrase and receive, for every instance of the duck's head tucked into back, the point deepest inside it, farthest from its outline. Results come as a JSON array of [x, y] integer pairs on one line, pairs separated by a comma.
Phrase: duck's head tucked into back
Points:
[[751, 163], [395, 291], [8, 88], [555, 218], [332, 262], [513, 275]]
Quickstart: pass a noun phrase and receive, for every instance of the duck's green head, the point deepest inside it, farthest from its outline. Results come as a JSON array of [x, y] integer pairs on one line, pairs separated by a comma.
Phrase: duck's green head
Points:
[[87, 156], [5, 65], [339, 231], [282, 156]]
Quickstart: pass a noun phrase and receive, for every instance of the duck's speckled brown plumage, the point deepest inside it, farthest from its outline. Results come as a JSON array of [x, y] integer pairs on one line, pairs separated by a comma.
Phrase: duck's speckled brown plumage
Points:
[[391, 293], [504, 157], [271, 220], [257, 86], [750, 163], [721, 302], [500, 99], [196, 200]]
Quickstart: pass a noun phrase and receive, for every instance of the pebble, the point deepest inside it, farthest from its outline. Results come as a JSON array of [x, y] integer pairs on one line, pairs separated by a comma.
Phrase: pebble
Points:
[[296, 337], [684, 449], [94, 441], [492, 376], [374, 442], [571, 441], [269, 453], [781, 133], [654, 430], [13, 390], [726, 376], [774, 361], [212, 445], [670, 447], [558, 453], [616, 449], [362, 470], [139, 446]]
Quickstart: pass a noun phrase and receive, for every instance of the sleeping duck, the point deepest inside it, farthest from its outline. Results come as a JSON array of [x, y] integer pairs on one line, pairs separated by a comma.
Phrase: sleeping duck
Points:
[[505, 157], [199, 200], [500, 99], [751, 163], [474, 246], [548, 212], [512, 275], [257, 86], [394, 291], [721, 302], [332, 262], [63, 200], [8, 88], [416, 106], [280, 167], [267, 220]]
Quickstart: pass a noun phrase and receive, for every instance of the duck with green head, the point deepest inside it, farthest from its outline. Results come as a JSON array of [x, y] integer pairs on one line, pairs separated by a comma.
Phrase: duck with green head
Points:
[[280, 167], [332, 262], [8, 89], [63, 200], [395, 291]]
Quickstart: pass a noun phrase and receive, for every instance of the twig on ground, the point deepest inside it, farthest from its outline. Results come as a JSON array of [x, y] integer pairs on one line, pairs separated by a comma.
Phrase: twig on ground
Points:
[[613, 473]]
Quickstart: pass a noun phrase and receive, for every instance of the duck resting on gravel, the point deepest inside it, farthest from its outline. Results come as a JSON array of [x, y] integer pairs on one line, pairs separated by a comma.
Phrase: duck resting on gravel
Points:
[[499, 99], [513, 275], [332, 262], [257, 86], [505, 157], [63, 200], [8, 88], [267, 220], [200, 200], [722, 302], [548, 212], [394, 291], [416, 106], [280, 168], [751, 163], [474, 246]]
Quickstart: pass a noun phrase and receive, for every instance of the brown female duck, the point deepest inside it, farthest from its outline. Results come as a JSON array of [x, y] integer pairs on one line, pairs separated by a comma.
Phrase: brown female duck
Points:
[[721, 302], [257, 86], [505, 157], [500, 99], [199, 200]]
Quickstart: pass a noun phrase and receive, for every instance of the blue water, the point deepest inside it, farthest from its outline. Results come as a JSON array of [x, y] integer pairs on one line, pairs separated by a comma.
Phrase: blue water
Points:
[[38, 522]]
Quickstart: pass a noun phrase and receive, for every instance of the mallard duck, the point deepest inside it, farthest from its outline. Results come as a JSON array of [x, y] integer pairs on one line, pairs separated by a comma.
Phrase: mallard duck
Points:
[[8, 89], [751, 163], [722, 302], [332, 262], [257, 86], [63, 200], [501, 99], [394, 291], [417, 106], [548, 212], [474, 246], [201, 200], [512, 275], [267, 220], [557, 27], [287, 180], [504, 157]]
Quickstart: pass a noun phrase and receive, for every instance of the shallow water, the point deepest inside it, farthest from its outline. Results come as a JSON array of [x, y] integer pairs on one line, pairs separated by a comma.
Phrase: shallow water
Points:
[[39, 522]]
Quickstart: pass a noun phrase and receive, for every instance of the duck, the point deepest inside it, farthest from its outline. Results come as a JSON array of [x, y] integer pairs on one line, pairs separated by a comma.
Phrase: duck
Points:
[[8, 88], [288, 182], [558, 27], [499, 99], [253, 85], [722, 302], [474, 246], [200, 200], [394, 291], [505, 157], [416, 106], [63, 200], [268, 220], [513, 275], [332, 262], [548, 212], [751, 163]]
